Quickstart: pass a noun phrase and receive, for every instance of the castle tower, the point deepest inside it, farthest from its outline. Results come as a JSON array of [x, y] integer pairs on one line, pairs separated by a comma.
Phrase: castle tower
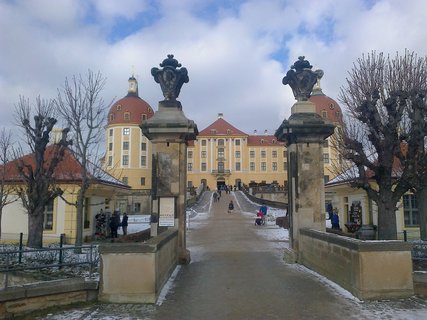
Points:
[[128, 151]]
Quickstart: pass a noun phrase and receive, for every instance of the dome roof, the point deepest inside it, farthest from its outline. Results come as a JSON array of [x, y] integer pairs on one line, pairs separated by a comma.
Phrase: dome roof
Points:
[[326, 107], [131, 109]]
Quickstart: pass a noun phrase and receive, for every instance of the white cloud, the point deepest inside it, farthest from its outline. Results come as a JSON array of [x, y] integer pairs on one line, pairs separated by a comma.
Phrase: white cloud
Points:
[[229, 52]]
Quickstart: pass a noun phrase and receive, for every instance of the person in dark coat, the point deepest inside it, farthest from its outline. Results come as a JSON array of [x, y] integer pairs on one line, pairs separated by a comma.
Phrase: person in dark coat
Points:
[[230, 206], [114, 224], [125, 224]]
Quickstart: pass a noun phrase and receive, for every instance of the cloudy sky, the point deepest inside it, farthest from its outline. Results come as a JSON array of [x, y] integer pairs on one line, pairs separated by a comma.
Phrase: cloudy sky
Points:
[[236, 51]]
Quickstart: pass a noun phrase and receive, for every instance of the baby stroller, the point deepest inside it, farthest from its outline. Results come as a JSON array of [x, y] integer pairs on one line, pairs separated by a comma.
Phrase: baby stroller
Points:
[[259, 221]]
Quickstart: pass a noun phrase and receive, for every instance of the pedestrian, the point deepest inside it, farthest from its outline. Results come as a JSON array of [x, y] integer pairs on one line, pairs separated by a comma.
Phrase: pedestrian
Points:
[[329, 210], [125, 224], [215, 196], [230, 206], [114, 224], [263, 209], [335, 220]]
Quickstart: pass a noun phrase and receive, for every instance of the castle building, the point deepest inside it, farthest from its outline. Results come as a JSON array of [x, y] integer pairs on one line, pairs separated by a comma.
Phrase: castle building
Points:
[[222, 154]]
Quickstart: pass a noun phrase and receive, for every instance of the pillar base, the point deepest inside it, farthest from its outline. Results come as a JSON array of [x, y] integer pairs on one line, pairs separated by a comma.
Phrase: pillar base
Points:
[[184, 257], [290, 256]]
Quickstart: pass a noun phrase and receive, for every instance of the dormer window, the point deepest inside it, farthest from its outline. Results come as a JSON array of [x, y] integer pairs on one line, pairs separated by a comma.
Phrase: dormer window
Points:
[[119, 107], [213, 131], [112, 117], [331, 107], [262, 141], [126, 116], [228, 131], [324, 114], [143, 117]]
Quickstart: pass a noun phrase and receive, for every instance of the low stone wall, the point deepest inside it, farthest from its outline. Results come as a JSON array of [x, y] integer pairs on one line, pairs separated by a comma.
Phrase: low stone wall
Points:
[[368, 269], [136, 272], [271, 203], [21, 300]]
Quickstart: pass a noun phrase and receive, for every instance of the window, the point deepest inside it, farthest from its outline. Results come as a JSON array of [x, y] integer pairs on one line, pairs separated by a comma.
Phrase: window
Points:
[[189, 184], [325, 178], [285, 166], [220, 166], [48, 216], [237, 154], [137, 207], [326, 157], [203, 166], [142, 181], [143, 146], [125, 180], [112, 117], [190, 154], [110, 146], [237, 142], [220, 142], [326, 143], [228, 131], [263, 154], [252, 166], [237, 166], [274, 166], [203, 155], [221, 153], [126, 116], [252, 154], [143, 117], [111, 132], [143, 161], [110, 161], [284, 153], [203, 143], [125, 145], [274, 154], [126, 131], [263, 166], [189, 166], [324, 114], [410, 210], [119, 107], [125, 160]]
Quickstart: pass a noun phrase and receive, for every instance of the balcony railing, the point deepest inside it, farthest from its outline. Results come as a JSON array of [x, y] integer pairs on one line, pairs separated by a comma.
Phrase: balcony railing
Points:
[[221, 172]]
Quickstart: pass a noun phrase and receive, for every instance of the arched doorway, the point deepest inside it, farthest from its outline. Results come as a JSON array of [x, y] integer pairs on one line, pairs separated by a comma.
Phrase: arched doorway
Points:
[[220, 183]]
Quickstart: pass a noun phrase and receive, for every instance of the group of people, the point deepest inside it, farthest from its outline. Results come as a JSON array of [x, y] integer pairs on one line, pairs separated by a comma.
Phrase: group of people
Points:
[[114, 222]]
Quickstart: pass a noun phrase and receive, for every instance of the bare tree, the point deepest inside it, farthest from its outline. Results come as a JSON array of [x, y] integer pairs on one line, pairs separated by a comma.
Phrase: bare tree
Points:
[[5, 155], [81, 106], [37, 169], [381, 139]]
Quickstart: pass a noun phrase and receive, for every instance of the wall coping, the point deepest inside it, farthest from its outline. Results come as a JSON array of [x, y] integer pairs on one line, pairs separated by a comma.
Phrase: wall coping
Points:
[[357, 244], [47, 288], [152, 245]]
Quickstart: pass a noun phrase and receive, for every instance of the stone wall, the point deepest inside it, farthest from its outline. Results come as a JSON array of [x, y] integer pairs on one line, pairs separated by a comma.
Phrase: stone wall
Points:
[[136, 272], [21, 300], [368, 269]]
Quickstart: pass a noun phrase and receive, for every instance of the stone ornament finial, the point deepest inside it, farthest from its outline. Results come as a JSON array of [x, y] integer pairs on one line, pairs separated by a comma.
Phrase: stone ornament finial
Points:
[[170, 78], [302, 79]]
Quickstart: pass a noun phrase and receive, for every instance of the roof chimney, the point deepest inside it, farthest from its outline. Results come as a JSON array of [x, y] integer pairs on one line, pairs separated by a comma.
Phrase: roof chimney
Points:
[[220, 115], [255, 132], [266, 132]]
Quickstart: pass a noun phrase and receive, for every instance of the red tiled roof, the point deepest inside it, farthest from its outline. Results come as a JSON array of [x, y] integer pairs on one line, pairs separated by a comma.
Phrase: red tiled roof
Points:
[[67, 171], [221, 128], [328, 106], [264, 140], [129, 110]]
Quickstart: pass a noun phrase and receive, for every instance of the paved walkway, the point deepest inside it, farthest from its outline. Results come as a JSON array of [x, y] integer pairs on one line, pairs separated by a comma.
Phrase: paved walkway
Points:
[[237, 274]]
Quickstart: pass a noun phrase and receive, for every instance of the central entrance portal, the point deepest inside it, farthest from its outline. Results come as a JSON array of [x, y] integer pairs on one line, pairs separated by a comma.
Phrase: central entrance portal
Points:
[[220, 183]]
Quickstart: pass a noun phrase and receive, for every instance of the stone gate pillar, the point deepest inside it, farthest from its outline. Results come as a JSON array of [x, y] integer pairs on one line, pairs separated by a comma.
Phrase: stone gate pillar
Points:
[[169, 131], [304, 133]]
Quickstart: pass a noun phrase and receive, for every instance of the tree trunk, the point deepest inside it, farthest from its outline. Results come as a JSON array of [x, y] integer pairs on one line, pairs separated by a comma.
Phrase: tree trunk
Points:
[[387, 227], [35, 229], [422, 212], [1, 214]]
